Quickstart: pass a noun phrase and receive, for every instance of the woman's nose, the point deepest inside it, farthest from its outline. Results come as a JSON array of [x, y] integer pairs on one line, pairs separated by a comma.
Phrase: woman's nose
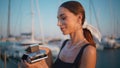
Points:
[[59, 23]]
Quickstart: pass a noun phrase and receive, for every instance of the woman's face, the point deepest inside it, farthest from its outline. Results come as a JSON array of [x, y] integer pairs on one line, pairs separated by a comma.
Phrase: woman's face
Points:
[[67, 21]]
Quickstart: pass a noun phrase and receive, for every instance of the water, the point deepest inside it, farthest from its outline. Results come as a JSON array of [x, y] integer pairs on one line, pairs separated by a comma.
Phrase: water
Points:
[[108, 58], [9, 64]]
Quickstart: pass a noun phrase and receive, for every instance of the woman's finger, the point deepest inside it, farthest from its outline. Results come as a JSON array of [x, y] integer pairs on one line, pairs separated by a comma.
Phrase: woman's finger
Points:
[[26, 64]]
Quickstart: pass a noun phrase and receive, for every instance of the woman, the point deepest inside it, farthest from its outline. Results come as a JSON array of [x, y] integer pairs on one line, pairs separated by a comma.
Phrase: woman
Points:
[[80, 50]]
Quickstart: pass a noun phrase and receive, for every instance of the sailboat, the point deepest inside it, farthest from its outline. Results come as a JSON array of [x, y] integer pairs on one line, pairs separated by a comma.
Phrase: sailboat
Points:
[[54, 49], [10, 37], [15, 50], [112, 41], [106, 41], [32, 39]]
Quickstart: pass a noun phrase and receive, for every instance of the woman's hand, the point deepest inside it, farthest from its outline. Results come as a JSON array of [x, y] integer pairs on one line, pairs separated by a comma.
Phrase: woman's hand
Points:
[[39, 64], [45, 63]]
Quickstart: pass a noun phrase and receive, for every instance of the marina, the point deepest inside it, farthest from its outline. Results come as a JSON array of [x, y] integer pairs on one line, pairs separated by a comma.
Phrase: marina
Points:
[[27, 22], [107, 58]]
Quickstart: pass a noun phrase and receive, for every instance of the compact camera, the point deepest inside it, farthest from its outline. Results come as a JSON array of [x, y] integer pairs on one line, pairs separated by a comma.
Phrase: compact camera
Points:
[[34, 54]]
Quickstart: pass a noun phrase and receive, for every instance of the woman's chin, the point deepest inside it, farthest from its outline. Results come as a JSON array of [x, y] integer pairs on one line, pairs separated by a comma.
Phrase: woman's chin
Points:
[[65, 33]]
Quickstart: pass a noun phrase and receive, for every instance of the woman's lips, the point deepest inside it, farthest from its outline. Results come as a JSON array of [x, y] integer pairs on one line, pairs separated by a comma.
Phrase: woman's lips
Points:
[[62, 29]]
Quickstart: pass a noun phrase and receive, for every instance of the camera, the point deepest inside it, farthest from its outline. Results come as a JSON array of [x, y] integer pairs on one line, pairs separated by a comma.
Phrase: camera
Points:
[[34, 54]]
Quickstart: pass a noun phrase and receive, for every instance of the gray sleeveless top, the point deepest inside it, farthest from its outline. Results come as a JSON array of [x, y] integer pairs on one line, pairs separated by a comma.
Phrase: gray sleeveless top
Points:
[[61, 64]]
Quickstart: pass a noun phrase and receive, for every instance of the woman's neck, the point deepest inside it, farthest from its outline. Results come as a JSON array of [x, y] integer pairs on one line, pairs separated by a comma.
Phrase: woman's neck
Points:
[[77, 36]]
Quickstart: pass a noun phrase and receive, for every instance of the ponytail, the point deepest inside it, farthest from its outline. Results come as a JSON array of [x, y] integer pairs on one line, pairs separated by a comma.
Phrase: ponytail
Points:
[[88, 36]]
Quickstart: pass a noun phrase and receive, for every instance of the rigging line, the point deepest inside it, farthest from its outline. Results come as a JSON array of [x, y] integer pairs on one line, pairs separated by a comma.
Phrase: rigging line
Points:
[[1, 29], [1, 23], [18, 10], [114, 25], [21, 20], [90, 12], [117, 27], [20, 17], [14, 22], [95, 15], [41, 28], [111, 15], [17, 16]]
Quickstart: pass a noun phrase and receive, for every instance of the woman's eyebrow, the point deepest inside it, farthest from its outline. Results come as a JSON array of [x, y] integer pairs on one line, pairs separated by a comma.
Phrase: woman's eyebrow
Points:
[[61, 15]]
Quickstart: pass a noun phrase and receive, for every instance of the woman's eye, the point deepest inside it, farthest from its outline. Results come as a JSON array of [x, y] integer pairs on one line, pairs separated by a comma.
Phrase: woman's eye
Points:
[[63, 18]]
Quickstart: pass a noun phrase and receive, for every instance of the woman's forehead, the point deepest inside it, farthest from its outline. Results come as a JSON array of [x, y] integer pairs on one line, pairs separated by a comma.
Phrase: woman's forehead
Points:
[[62, 11]]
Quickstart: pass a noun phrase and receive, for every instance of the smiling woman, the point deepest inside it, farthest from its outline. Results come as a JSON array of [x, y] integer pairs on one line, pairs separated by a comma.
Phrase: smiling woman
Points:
[[77, 52], [80, 50]]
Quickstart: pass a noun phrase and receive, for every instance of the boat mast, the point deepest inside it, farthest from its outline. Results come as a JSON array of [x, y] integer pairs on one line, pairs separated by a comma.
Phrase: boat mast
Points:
[[8, 30], [32, 11]]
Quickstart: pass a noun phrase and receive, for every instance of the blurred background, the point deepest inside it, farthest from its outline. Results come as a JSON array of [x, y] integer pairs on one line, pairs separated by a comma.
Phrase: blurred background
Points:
[[27, 22]]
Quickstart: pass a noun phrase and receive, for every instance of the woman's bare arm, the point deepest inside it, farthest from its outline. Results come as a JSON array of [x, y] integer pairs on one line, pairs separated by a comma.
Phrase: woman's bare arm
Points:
[[88, 59]]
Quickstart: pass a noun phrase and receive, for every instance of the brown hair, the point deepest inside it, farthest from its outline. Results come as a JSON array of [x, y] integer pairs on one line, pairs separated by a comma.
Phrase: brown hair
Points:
[[76, 8]]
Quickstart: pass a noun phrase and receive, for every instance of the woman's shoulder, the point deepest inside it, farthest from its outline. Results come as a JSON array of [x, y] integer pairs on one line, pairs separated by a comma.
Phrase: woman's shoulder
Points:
[[89, 57], [90, 50]]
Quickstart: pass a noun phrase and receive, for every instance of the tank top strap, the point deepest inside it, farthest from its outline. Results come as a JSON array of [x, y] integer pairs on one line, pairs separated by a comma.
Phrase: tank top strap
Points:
[[78, 58], [64, 43]]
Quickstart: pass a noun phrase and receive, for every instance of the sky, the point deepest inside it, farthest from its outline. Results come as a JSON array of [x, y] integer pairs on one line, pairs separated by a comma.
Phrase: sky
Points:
[[102, 14]]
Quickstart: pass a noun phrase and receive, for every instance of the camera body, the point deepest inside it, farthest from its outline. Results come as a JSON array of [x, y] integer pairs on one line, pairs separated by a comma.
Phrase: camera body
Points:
[[34, 54]]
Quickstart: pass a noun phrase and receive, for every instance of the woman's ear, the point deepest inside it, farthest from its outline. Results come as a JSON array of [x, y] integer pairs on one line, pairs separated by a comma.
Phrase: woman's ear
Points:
[[80, 18]]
